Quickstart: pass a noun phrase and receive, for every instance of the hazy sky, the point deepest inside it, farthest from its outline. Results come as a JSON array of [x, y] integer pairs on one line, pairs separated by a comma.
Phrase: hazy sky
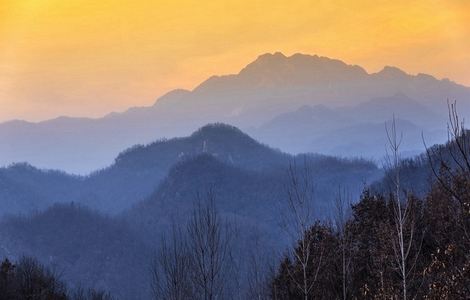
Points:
[[87, 58]]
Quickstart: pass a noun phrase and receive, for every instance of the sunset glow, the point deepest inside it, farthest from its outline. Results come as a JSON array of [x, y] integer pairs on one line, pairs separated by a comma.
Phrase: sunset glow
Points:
[[88, 58]]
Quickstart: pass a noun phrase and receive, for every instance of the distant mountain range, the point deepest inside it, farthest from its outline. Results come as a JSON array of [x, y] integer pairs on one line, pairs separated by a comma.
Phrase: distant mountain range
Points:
[[300, 103]]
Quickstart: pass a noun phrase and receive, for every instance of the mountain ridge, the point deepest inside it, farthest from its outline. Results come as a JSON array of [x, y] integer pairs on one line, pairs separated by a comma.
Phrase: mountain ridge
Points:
[[387, 69], [135, 172], [268, 87]]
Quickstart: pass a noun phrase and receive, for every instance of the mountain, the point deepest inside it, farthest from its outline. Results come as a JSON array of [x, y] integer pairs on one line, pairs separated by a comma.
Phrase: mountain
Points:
[[84, 247], [138, 171], [272, 85], [354, 131], [26, 189], [135, 173], [226, 142], [255, 197], [370, 140], [404, 107]]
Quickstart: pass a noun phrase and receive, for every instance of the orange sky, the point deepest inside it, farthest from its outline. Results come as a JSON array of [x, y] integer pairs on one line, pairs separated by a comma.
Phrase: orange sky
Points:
[[87, 58]]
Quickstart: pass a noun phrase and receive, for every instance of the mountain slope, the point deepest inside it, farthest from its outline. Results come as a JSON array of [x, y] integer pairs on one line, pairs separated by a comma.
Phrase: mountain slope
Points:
[[404, 107], [25, 189], [357, 130], [252, 197], [137, 171], [370, 140], [294, 131], [88, 250]]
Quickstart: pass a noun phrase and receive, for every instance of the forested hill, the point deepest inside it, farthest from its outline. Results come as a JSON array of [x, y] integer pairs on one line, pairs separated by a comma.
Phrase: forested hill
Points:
[[251, 196], [88, 249], [138, 171]]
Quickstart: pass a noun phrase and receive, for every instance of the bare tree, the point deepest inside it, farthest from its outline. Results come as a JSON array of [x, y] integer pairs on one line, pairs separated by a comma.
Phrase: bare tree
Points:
[[209, 242], [450, 164], [89, 294], [298, 218], [170, 276], [195, 261], [261, 270], [34, 281], [342, 215], [403, 217]]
